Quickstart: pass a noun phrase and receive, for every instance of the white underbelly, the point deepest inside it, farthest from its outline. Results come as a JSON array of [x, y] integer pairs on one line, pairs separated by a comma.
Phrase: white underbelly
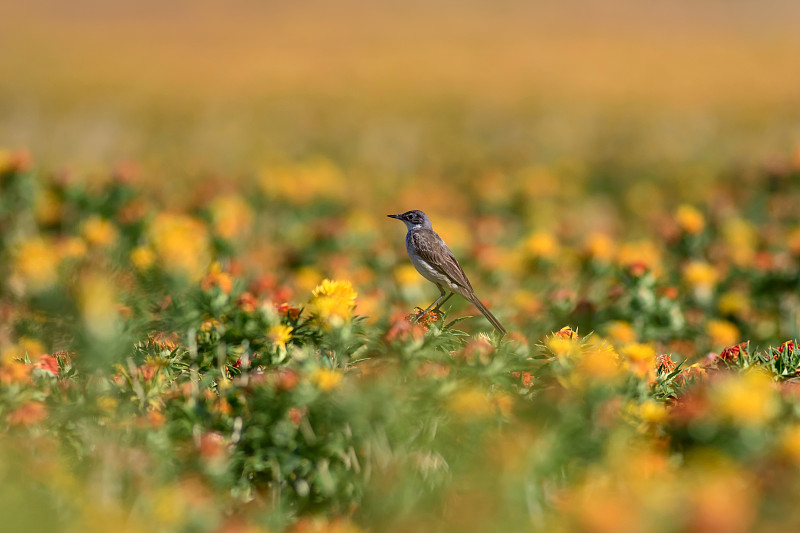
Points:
[[430, 273]]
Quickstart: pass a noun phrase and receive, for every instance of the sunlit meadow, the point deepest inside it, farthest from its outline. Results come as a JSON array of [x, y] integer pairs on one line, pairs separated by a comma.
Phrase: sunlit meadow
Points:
[[206, 317]]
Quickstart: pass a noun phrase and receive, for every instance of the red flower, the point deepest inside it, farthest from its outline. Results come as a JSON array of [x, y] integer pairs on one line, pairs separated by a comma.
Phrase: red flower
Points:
[[212, 445], [288, 310], [733, 353], [296, 414], [787, 347], [638, 269], [285, 380], [49, 363], [247, 302]]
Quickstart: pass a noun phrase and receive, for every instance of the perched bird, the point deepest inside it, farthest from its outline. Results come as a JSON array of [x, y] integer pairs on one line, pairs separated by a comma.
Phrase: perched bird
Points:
[[434, 260]]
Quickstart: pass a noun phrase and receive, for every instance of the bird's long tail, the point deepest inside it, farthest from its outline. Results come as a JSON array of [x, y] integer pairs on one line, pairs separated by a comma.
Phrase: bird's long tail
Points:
[[488, 314]]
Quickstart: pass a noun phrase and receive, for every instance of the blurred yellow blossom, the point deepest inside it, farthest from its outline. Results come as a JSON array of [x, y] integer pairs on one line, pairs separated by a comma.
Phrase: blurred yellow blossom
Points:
[[231, 215], [542, 245], [689, 219], [620, 331], [143, 258], [407, 276], [790, 443], [722, 333], [642, 252], [107, 403], [748, 398], [452, 231], [600, 360], [600, 247], [303, 183], [181, 244], [470, 401], [47, 207], [700, 275], [332, 302], [306, 278], [72, 248], [99, 231], [652, 412], [733, 303], [99, 307], [326, 379], [641, 357], [36, 263], [280, 334], [742, 239]]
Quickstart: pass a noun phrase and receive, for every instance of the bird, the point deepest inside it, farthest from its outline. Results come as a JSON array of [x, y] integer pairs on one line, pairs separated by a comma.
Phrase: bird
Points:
[[433, 259]]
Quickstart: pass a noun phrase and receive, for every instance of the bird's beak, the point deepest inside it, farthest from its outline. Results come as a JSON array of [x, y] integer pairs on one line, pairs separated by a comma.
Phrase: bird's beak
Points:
[[394, 216]]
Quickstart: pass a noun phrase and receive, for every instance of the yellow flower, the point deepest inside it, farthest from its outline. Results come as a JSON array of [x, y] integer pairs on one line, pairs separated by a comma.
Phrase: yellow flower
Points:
[[503, 402], [107, 404], [741, 238], [600, 361], [36, 263], [639, 252], [748, 398], [689, 219], [99, 232], [181, 244], [303, 183], [620, 331], [326, 379], [99, 307], [562, 346], [641, 357], [470, 401], [734, 303], [232, 216], [407, 276], [279, 335], [143, 258], [332, 302], [790, 443], [306, 278], [72, 248], [600, 247], [47, 207], [722, 333], [652, 412], [700, 275], [542, 245]]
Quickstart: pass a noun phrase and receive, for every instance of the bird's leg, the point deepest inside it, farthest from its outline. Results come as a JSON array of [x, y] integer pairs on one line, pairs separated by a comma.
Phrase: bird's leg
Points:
[[443, 301], [442, 291]]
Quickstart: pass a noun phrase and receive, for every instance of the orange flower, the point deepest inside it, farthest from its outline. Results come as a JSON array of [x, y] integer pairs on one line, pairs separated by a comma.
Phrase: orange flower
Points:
[[28, 414], [217, 278], [525, 378], [566, 333], [665, 363]]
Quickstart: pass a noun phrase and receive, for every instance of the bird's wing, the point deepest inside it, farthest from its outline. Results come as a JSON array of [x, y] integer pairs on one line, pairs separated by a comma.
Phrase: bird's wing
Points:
[[432, 249]]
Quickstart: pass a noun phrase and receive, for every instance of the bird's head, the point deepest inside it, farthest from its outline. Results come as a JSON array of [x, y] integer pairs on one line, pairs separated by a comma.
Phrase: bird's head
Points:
[[414, 219]]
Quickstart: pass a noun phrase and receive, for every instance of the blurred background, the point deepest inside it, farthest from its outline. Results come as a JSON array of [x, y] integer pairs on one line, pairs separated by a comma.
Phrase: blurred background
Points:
[[176, 178], [195, 88]]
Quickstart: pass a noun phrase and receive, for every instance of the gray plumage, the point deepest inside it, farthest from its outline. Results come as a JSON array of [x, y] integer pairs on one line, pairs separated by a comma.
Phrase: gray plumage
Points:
[[433, 259]]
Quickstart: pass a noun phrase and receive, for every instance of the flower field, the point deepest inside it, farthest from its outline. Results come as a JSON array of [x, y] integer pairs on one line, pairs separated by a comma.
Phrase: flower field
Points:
[[206, 319]]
